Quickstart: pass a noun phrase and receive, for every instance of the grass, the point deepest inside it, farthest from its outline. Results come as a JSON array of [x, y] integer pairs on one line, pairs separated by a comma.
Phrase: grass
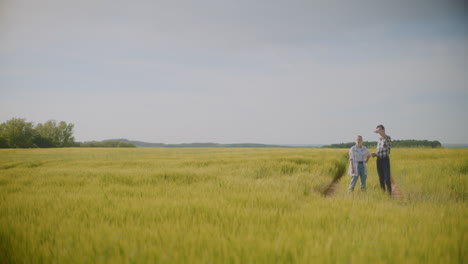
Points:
[[228, 206]]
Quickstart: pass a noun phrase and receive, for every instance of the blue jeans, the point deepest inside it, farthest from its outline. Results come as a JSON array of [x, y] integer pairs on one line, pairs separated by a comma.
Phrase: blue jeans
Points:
[[383, 169], [361, 172]]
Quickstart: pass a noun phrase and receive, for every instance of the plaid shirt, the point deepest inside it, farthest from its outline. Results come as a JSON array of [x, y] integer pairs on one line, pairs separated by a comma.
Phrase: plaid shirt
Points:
[[383, 147]]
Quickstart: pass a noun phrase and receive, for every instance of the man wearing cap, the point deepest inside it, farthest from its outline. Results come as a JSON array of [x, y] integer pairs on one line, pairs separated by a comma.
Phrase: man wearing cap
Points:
[[383, 158]]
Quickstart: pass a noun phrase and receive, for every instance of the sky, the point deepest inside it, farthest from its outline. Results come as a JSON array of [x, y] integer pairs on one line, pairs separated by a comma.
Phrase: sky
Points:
[[264, 71]]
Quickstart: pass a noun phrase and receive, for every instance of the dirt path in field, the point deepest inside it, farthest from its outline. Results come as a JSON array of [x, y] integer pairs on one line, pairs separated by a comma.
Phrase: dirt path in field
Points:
[[332, 188], [341, 167], [340, 172], [396, 192]]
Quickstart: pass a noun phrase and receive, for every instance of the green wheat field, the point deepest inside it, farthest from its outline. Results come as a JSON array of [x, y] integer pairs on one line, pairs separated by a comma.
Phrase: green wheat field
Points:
[[228, 205]]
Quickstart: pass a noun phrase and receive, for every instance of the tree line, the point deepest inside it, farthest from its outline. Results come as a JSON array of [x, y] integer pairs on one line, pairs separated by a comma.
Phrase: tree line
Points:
[[407, 143], [19, 133]]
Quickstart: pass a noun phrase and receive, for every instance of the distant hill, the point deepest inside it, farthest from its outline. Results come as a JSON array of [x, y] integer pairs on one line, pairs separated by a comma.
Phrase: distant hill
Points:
[[142, 144], [455, 145], [105, 144]]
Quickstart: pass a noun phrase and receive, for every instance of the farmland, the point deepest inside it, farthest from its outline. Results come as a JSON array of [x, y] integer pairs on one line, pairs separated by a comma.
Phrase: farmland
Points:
[[218, 205]]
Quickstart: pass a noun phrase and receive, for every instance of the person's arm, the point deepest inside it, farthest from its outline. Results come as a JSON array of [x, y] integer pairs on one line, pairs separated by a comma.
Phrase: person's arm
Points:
[[351, 160], [368, 155]]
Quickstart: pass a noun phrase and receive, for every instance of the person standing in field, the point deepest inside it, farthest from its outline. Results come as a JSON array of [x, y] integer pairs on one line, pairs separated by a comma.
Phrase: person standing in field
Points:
[[358, 157], [383, 158]]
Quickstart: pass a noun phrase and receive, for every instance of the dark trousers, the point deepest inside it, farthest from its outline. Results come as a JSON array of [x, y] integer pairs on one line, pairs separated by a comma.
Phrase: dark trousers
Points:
[[383, 169]]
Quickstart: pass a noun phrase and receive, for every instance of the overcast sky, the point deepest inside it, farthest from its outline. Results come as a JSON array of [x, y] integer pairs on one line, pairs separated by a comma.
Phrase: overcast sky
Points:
[[263, 71]]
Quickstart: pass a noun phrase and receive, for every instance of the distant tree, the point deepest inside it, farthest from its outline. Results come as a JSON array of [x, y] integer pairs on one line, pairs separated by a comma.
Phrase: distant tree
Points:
[[42, 142], [53, 134], [436, 144], [46, 134], [3, 142], [65, 134], [17, 133]]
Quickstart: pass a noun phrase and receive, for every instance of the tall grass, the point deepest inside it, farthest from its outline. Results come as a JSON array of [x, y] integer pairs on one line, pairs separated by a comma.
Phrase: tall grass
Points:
[[227, 205]]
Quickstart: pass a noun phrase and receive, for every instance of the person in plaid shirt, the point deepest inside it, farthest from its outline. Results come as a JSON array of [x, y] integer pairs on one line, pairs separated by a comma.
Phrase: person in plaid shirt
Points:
[[383, 158]]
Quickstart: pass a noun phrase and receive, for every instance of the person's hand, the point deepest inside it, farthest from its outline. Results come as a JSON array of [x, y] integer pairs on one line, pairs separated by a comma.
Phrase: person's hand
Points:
[[380, 131], [352, 171], [374, 155]]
